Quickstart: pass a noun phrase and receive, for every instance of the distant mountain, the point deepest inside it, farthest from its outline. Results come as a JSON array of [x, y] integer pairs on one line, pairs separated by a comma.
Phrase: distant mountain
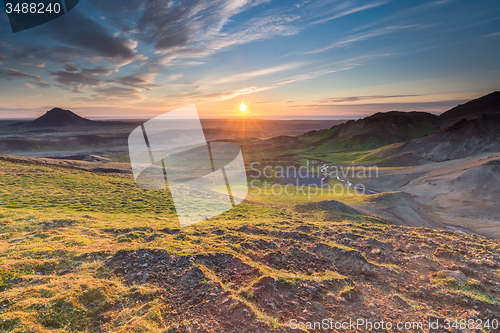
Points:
[[484, 105], [409, 137], [463, 139], [60, 118], [381, 129], [372, 132]]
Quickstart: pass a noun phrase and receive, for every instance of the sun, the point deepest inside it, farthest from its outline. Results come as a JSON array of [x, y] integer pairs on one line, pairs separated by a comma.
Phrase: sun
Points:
[[243, 107]]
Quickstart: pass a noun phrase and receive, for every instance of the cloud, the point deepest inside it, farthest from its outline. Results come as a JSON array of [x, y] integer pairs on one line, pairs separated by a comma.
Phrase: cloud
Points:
[[78, 81], [13, 74], [70, 67], [410, 12], [42, 65], [2, 57], [193, 29], [347, 41], [87, 35], [98, 71], [144, 81], [358, 98], [257, 29], [117, 92], [312, 75], [217, 96], [199, 21], [220, 96], [42, 53], [71, 79], [490, 35], [173, 77], [112, 95], [232, 94], [351, 11], [257, 73]]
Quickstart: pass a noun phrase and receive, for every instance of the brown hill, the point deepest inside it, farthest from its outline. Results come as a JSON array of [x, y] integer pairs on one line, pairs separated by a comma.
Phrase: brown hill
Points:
[[464, 138], [378, 130], [383, 128], [484, 105]]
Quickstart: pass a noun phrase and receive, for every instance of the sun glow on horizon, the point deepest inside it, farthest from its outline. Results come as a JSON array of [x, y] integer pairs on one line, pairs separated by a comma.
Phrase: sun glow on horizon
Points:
[[243, 107]]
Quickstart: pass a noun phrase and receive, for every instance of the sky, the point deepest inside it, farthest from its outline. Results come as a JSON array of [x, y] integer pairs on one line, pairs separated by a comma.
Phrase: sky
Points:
[[283, 59]]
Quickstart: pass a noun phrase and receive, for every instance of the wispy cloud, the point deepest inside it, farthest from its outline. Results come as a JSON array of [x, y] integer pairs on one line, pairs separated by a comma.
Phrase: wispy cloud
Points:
[[259, 73], [351, 11], [12, 74], [217, 96], [335, 67], [358, 98], [143, 81], [347, 41], [413, 11], [493, 34], [309, 76], [112, 95], [75, 79], [173, 77]]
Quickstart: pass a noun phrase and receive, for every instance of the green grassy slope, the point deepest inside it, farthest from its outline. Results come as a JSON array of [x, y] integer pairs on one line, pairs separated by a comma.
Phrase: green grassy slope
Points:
[[88, 252]]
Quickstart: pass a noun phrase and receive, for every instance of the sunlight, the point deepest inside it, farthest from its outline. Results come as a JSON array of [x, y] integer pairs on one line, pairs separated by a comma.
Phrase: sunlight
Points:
[[243, 107]]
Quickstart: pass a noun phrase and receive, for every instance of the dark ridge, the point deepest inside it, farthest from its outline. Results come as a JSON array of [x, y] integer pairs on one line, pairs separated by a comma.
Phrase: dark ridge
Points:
[[58, 118], [381, 129], [399, 117], [462, 139], [487, 104]]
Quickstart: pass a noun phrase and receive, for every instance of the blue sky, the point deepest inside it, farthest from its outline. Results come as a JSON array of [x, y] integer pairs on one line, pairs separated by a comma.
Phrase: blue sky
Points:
[[283, 59]]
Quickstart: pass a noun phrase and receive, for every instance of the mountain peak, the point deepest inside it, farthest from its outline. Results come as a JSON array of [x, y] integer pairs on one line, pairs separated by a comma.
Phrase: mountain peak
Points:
[[56, 109], [58, 117], [486, 104]]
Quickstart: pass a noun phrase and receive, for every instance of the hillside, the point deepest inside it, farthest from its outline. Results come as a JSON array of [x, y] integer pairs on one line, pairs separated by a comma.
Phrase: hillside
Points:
[[487, 104], [464, 138], [403, 138], [380, 129], [343, 142], [91, 252], [462, 192]]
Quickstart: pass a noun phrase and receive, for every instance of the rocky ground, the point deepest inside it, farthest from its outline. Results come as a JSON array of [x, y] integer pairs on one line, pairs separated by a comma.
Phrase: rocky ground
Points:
[[306, 273]]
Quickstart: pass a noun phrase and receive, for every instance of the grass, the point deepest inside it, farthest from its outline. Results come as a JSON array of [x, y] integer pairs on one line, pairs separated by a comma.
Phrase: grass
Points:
[[469, 287], [58, 226]]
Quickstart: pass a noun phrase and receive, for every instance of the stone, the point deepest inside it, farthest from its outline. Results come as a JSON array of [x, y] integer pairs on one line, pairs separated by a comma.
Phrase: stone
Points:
[[318, 307], [330, 299], [457, 275], [368, 270]]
